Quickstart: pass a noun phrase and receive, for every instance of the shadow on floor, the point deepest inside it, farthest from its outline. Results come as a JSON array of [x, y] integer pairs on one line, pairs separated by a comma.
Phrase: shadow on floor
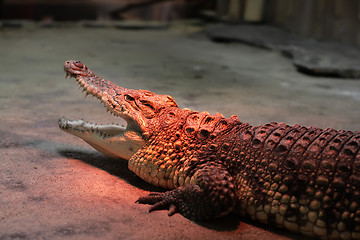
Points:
[[115, 167]]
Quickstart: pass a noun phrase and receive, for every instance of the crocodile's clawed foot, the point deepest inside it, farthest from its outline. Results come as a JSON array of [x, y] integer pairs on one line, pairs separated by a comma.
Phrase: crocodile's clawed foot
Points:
[[168, 200]]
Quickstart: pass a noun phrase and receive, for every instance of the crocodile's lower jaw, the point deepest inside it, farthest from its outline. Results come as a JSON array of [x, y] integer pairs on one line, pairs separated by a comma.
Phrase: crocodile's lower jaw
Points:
[[112, 140]]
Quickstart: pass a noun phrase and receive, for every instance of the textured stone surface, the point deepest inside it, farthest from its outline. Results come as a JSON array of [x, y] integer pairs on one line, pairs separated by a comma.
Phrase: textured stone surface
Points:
[[54, 186], [309, 56]]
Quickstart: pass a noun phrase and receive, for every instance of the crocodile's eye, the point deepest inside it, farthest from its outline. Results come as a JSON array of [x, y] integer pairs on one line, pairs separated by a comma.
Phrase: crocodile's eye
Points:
[[147, 104], [129, 98]]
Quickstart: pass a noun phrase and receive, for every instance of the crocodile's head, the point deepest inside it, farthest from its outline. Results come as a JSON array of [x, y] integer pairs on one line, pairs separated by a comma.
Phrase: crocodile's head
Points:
[[136, 107]]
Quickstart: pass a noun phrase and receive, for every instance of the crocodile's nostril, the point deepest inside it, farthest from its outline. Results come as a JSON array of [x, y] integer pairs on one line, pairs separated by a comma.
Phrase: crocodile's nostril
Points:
[[78, 64]]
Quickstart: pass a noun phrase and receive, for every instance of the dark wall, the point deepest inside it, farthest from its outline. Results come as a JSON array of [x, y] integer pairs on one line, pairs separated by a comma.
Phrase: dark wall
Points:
[[337, 20]]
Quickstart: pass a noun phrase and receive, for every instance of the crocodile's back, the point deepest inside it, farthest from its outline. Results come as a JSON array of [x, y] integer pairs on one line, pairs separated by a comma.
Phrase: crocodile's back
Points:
[[304, 179]]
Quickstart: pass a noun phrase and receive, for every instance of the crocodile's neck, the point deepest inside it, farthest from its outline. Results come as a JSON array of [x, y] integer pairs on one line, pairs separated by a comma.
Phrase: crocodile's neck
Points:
[[181, 141]]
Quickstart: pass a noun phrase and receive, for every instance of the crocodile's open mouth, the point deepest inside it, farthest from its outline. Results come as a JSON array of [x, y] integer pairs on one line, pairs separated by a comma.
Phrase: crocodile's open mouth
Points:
[[136, 107], [102, 131], [112, 96], [111, 139]]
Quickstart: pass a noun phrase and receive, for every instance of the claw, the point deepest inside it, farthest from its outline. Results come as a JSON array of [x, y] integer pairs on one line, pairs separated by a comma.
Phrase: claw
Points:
[[152, 198], [172, 210], [159, 206], [160, 201]]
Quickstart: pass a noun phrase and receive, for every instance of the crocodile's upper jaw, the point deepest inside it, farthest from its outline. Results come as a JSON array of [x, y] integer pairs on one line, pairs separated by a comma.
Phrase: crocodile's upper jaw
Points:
[[134, 106]]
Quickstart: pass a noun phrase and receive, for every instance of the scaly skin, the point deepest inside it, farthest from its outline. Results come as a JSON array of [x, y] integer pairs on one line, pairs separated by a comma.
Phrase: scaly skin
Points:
[[302, 179]]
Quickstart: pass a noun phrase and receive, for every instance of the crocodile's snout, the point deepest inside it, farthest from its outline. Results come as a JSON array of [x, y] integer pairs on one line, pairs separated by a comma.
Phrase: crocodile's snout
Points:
[[75, 68]]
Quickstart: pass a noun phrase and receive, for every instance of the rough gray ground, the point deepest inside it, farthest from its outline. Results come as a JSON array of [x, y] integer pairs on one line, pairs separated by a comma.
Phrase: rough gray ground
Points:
[[308, 55], [54, 186]]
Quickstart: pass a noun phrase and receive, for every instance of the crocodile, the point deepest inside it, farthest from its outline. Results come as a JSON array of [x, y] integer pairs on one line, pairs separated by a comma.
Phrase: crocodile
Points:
[[303, 179]]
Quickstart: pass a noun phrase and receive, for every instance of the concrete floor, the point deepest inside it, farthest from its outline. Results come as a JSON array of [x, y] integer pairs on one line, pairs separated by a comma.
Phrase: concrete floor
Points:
[[54, 186]]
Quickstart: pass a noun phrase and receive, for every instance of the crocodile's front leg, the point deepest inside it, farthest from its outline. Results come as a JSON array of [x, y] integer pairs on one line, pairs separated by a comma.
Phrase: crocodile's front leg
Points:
[[211, 193], [112, 140]]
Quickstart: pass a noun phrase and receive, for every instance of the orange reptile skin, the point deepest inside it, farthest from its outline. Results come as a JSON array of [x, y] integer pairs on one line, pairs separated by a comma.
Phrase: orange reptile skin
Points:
[[306, 180]]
